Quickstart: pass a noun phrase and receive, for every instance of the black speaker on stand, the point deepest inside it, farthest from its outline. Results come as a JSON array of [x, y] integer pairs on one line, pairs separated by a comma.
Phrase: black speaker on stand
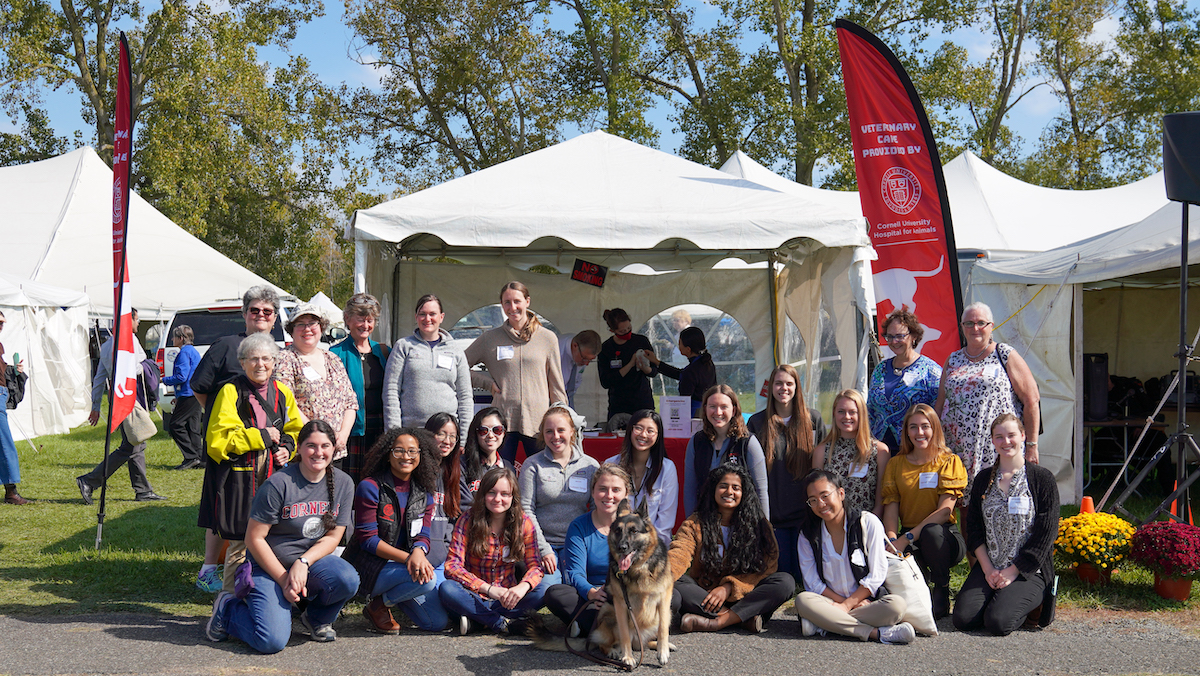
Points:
[[1181, 169]]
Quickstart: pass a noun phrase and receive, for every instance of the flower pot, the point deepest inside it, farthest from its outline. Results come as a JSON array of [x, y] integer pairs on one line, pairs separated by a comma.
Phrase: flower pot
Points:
[[1090, 574], [1172, 588]]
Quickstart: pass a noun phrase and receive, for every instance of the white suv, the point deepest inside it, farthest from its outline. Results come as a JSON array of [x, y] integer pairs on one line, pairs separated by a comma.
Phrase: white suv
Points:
[[209, 323]]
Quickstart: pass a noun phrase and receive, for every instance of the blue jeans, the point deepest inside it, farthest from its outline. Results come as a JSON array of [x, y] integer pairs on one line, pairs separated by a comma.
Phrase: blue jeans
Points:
[[789, 557], [551, 579], [263, 620], [487, 612], [419, 601]]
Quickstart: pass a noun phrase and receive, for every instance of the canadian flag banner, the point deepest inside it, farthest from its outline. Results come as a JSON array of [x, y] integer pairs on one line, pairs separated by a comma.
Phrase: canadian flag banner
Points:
[[902, 191], [126, 365]]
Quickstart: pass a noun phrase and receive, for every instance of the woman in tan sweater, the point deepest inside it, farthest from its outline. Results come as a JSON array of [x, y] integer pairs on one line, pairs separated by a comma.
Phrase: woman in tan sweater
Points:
[[524, 369], [725, 558]]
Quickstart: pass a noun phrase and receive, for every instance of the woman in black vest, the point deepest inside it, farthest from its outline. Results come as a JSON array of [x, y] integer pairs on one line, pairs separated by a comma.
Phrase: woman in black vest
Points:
[[843, 556], [399, 541], [724, 439]]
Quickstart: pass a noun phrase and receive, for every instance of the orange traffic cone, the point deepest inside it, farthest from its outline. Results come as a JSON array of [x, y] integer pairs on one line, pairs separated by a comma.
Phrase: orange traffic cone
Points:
[[1186, 507], [1086, 506]]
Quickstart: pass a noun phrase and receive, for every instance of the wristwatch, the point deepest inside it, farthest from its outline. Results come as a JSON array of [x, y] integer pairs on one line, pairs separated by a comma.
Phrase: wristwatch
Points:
[[908, 535], [305, 561]]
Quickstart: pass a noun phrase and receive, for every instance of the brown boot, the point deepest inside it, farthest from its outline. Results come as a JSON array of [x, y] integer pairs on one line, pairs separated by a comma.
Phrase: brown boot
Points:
[[754, 625], [12, 497], [692, 622], [379, 617]]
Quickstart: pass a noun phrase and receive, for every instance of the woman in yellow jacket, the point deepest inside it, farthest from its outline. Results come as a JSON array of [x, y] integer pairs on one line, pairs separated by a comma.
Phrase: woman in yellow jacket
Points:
[[725, 558], [251, 432]]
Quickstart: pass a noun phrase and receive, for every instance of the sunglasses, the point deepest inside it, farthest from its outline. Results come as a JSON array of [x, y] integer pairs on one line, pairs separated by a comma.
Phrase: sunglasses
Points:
[[266, 312], [497, 430]]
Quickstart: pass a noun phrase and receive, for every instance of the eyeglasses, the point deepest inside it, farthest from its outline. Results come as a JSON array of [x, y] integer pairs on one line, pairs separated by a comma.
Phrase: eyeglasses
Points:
[[306, 326], [260, 360], [975, 325], [446, 436], [820, 498], [889, 337], [405, 452], [264, 311], [497, 430]]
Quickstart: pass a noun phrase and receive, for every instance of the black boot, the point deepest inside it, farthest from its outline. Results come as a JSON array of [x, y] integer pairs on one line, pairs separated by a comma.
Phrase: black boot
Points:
[[941, 601]]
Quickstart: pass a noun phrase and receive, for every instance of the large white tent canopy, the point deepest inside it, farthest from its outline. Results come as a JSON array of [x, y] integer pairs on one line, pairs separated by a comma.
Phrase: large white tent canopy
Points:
[[995, 213], [46, 328], [59, 216], [612, 202], [1130, 276]]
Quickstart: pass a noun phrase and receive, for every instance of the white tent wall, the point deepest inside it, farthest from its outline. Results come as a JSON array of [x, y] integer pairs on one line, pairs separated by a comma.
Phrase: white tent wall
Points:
[[573, 306], [53, 344], [1037, 321]]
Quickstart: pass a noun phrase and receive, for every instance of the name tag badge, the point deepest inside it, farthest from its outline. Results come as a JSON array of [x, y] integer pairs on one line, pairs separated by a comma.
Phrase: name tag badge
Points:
[[416, 529], [311, 373], [504, 352], [929, 480], [909, 378], [577, 483], [616, 364], [445, 361], [993, 371], [858, 471], [1020, 504]]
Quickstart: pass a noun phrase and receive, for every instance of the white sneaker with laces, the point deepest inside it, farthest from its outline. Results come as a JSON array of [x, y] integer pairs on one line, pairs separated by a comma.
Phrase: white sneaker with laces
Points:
[[897, 634], [808, 628]]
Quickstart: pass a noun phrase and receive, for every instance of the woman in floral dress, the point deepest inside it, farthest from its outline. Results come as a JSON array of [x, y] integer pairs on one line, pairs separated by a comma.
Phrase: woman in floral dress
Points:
[[850, 453]]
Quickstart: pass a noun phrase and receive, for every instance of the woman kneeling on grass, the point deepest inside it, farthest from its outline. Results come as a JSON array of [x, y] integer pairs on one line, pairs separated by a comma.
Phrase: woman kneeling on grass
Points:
[[842, 554], [481, 571], [297, 520]]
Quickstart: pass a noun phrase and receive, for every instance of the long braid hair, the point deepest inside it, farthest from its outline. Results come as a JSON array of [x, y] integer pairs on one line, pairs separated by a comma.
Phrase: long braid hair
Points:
[[797, 432], [532, 323], [452, 463], [749, 529], [329, 518], [479, 526]]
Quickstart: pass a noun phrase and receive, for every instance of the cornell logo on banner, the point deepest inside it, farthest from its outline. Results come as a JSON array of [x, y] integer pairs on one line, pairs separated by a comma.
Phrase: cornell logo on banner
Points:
[[901, 190], [118, 200]]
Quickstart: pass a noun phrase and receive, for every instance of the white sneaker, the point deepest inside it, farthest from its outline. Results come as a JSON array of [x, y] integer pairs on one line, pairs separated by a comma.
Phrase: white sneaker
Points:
[[464, 625], [897, 634], [573, 630], [808, 628]]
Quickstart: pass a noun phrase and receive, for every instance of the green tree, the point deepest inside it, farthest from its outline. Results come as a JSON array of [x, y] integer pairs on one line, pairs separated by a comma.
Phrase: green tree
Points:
[[36, 141], [467, 84]]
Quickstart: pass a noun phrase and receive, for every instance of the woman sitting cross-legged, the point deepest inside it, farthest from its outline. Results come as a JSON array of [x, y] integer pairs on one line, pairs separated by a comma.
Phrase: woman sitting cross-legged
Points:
[[481, 571], [398, 545], [725, 558], [297, 520], [1011, 527], [843, 558]]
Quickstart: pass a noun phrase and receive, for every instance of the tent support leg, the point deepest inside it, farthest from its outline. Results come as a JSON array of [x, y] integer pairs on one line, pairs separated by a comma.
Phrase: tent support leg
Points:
[[1077, 309], [774, 300]]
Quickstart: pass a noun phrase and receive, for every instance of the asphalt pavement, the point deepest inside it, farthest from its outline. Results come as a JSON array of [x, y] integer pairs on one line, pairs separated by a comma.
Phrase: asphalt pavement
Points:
[[161, 644]]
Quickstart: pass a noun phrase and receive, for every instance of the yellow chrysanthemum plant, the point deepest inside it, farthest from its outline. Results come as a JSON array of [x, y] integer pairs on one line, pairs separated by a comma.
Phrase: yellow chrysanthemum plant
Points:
[[1097, 538]]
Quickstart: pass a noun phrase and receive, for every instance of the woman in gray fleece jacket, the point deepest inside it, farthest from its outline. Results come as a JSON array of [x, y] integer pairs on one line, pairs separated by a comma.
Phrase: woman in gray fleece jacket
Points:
[[554, 486], [426, 374]]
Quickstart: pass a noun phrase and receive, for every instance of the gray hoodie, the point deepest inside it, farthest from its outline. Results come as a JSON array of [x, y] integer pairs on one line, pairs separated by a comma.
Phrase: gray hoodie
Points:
[[553, 495]]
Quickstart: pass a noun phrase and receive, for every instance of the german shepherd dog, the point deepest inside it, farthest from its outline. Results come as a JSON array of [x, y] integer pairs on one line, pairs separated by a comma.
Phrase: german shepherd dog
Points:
[[639, 578]]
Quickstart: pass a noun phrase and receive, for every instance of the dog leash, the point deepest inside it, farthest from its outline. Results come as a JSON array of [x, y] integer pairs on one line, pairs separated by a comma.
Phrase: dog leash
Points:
[[587, 654]]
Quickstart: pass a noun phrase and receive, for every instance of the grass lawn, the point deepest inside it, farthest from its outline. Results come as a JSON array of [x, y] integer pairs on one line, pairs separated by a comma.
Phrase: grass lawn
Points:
[[151, 551]]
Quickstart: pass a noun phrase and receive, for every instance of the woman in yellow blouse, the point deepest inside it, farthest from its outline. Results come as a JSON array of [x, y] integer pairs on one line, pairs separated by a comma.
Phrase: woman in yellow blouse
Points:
[[921, 486]]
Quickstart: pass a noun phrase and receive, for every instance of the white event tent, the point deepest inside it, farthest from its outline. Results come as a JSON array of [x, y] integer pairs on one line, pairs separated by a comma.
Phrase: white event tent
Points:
[[59, 215], [1116, 293], [46, 328], [612, 202], [1009, 222]]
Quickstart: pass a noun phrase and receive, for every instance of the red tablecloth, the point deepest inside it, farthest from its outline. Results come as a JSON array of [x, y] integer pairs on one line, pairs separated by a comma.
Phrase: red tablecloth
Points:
[[604, 447]]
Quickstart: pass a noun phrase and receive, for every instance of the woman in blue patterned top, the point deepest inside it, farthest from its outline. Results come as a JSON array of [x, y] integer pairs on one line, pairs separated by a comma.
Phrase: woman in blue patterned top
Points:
[[902, 381]]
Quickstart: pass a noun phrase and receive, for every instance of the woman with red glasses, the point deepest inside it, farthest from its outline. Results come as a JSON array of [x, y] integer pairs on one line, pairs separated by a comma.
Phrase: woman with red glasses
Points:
[[485, 438]]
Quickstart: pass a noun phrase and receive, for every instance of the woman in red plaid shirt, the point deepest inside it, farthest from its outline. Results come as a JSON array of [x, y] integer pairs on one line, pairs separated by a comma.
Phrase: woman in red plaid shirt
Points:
[[481, 570]]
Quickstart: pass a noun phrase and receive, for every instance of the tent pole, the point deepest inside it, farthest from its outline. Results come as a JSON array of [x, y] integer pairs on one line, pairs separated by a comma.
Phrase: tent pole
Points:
[[774, 300], [1077, 359]]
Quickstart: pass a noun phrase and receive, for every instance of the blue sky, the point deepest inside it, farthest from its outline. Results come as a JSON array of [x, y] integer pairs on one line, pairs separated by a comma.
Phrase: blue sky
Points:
[[331, 49]]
